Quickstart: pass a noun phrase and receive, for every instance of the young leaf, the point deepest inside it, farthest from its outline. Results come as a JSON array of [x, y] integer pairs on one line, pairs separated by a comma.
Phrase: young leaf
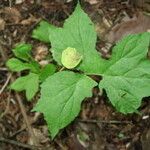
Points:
[[16, 65], [61, 97], [78, 32], [126, 76], [42, 31], [70, 58], [46, 71], [23, 51], [35, 67], [29, 83]]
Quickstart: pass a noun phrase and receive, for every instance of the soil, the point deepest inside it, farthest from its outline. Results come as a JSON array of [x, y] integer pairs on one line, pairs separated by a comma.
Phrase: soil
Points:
[[99, 126]]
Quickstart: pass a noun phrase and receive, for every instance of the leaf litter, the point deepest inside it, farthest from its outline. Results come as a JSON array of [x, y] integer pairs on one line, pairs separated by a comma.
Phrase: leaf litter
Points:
[[108, 132]]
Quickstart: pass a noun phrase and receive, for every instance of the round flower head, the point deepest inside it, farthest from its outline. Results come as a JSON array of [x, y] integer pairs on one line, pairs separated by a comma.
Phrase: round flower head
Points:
[[70, 58]]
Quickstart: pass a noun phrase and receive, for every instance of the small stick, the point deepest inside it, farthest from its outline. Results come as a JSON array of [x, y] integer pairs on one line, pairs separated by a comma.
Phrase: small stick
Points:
[[6, 83], [28, 124], [10, 4], [18, 143], [104, 121], [18, 98], [3, 69], [30, 130], [18, 131]]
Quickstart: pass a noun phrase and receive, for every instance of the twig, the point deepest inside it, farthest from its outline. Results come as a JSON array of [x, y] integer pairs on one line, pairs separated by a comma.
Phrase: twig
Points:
[[26, 119], [22, 110], [19, 100], [18, 143], [104, 121], [17, 132], [3, 69], [10, 4], [6, 83]]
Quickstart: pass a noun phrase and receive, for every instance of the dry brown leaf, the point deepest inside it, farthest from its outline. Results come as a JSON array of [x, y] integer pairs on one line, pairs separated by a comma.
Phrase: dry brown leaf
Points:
[[41, 52], [12, 14], [144, 4], [138, 24]]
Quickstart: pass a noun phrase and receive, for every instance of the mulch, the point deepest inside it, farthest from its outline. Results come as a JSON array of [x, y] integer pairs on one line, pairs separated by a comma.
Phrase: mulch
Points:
[[99, 126]]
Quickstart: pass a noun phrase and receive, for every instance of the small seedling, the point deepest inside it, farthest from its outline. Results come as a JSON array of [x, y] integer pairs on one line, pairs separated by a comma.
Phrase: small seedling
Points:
[[36, 74], [125, 76]]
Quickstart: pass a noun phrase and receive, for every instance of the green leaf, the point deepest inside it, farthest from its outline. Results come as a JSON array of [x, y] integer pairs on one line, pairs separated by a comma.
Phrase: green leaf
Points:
[[42, 31], [61, 97], [23, 51], [29, 83], [16, 65], [126, 76], [70, 58], [34, 67], [78, 32], [46, 71]]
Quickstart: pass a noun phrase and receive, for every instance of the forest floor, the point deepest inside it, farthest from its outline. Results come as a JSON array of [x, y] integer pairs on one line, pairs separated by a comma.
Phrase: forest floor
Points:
[[99, 126]]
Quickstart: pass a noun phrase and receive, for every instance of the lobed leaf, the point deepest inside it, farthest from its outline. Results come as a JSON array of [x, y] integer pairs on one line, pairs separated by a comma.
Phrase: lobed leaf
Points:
[[29, 83], [126, 76], [78, 32], [61, 97], [47, 71], [34, 67], [16, 65], [23, 51]]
